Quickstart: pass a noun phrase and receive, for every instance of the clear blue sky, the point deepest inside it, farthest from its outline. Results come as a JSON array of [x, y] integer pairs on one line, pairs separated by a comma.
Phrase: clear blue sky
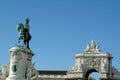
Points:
[[61, 28]]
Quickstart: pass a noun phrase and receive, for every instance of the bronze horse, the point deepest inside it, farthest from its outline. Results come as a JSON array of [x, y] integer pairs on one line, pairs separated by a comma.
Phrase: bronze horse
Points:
[[24, 33]]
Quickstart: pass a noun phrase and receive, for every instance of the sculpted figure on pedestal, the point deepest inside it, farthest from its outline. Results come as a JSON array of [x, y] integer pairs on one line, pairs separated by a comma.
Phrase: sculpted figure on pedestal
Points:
[[4, 72], [32, 73], [92, 47]]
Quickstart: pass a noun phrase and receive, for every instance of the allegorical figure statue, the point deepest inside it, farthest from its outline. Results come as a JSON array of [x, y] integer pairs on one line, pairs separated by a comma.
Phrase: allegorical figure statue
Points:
[[4, 72], [32, 73], [24, 33]]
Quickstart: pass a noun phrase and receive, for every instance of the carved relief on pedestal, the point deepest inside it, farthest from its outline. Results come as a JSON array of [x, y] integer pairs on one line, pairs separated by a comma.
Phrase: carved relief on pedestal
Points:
[[15, 58]]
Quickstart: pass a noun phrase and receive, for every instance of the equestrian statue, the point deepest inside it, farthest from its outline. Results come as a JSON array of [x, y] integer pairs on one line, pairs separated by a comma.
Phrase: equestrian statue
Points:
[[24, 33]]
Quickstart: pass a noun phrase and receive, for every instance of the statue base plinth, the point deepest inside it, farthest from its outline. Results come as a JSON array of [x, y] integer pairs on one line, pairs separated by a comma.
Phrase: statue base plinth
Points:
[[21, 58]]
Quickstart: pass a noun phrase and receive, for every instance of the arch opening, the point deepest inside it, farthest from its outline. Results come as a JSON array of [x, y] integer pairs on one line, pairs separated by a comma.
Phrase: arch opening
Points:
[[92, 74]]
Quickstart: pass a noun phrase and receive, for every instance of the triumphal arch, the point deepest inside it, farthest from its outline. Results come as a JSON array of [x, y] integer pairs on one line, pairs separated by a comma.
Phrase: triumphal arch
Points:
[[92, 60]]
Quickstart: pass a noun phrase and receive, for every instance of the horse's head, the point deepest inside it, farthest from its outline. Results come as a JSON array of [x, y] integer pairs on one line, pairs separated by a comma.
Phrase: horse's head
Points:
[[20, 26]]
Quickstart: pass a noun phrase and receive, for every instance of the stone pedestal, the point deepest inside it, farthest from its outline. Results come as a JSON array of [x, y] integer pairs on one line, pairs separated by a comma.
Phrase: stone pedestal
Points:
[[20, 59]]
